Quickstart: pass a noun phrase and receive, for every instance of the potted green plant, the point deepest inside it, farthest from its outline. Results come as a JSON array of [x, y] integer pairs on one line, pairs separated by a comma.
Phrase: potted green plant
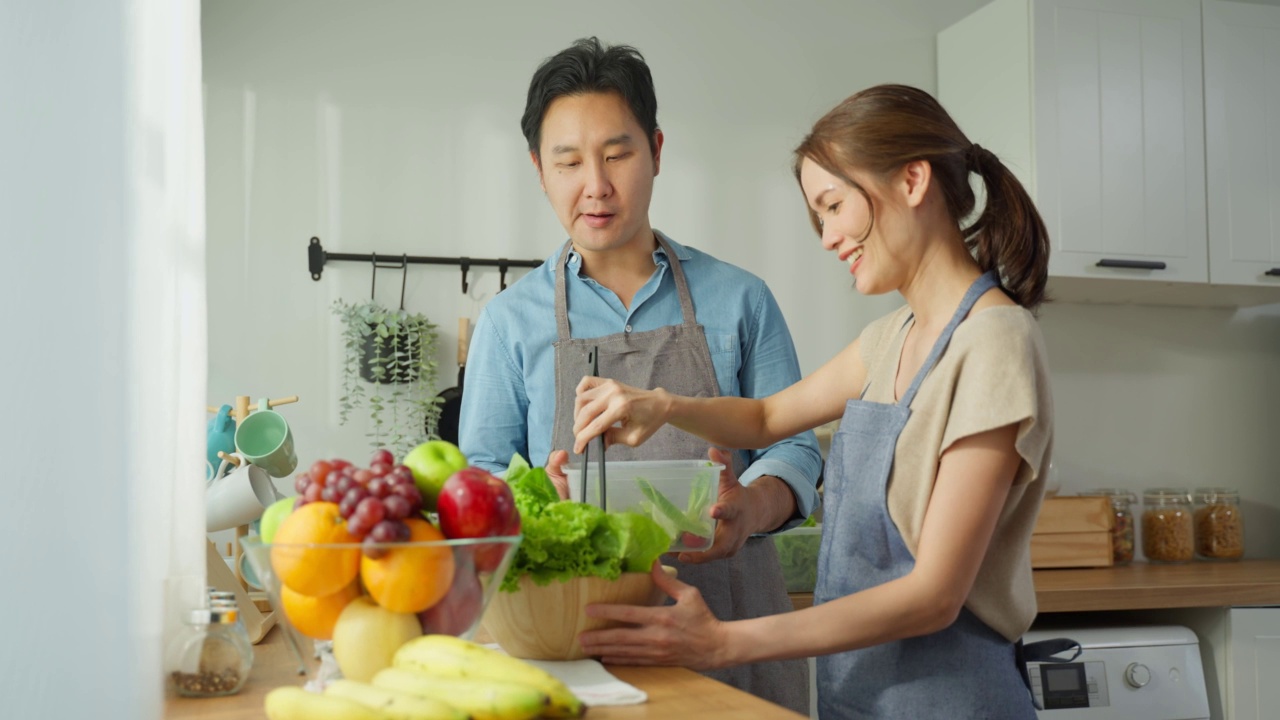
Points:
[[389, 368]]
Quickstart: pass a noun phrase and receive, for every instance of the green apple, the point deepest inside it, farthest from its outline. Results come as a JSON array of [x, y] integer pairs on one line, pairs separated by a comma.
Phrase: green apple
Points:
[[275, 514], [432, 463], [367, 635]]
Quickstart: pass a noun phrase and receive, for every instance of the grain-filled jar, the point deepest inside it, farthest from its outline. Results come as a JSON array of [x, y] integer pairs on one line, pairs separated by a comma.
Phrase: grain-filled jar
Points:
[[1219, 527], [1122, 526], [210, 657], [1168, 535]]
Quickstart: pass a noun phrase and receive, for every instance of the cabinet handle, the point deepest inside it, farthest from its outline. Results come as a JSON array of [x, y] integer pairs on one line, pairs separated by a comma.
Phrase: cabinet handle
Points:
[[1134, 264], [1273, 272]]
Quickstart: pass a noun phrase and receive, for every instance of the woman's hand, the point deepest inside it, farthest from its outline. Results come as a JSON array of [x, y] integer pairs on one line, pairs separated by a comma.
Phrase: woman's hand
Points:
[[621, 413], [685, 634]]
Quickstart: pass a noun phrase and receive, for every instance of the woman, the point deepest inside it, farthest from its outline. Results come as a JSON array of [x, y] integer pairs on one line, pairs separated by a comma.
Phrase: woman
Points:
[[934, 476]]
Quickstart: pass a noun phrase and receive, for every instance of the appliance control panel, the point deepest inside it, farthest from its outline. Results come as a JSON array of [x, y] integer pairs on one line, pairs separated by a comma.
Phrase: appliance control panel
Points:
[[1069, 685]]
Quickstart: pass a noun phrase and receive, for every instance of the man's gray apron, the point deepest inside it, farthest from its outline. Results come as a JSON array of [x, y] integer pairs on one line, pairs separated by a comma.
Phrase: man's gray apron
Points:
[[677, 358], [967, 670]]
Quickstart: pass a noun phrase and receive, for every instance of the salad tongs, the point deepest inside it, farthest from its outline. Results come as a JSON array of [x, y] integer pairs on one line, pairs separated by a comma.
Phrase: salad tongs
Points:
[[594, 358]]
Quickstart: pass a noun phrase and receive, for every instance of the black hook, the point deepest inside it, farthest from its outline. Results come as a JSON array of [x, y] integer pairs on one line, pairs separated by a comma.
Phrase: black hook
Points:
[[502, 274], [404, 264], [373, 284], [466, 265]]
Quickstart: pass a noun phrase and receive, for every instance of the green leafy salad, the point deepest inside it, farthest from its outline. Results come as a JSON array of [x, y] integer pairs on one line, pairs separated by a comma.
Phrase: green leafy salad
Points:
[[674, 520], [565, 539]]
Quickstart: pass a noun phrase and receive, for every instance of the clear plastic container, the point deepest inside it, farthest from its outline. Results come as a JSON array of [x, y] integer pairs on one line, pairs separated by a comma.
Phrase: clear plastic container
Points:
[[1123, 530], [798, 554], [1168, 535], [677, 494], [210, 658], [1219, 526]]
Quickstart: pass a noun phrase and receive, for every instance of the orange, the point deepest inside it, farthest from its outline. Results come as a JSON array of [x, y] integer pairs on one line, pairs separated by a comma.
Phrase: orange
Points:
[[316, 616], [300, 561], [413, 578]]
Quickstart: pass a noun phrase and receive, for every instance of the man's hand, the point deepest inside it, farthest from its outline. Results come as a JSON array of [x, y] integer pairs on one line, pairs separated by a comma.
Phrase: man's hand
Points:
[[555, 471]]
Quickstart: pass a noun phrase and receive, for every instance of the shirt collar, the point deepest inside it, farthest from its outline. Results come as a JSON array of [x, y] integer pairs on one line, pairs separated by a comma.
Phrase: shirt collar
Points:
[[659, 255]]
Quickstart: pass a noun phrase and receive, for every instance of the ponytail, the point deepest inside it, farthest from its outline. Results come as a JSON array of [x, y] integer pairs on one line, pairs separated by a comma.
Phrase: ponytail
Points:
[[1009, 236]]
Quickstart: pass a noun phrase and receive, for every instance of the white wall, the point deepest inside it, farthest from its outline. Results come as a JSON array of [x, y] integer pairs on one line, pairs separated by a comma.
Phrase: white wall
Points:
[[394, 127]]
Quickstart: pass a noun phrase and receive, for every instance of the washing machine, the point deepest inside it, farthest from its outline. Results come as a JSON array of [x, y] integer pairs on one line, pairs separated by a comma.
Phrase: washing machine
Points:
[[1148, 672]]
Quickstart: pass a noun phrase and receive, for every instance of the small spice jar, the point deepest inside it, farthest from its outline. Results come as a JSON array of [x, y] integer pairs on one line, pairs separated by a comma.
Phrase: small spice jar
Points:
[[1167, 532], [1219, 527], [1122, 526], [211, 657]]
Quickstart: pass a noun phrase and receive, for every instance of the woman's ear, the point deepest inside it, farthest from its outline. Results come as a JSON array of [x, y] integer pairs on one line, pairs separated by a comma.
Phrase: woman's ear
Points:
[[914, 182]]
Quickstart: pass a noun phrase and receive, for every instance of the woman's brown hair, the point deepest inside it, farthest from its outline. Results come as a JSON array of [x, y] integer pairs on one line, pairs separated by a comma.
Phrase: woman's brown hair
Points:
[[882, 128]]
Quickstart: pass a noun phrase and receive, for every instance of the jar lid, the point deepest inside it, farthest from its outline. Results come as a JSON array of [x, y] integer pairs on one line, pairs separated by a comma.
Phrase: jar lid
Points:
[[216, 615], [1216, 494], [1166, 493]]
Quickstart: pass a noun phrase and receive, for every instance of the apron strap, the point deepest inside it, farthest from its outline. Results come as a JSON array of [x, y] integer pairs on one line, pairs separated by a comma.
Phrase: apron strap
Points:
[[1043, 652], [687, 315], [562, 293], [984, 283]]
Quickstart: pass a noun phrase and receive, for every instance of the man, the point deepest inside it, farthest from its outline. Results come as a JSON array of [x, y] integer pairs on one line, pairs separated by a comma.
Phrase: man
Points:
[[661, 315]]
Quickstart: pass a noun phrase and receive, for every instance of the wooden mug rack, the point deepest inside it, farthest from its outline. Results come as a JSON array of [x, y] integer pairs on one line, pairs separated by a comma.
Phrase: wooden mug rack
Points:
[[255, 606]]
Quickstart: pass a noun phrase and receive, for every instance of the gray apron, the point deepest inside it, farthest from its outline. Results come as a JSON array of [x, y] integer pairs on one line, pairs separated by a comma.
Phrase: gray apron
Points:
[[967, 670], [677, 358]]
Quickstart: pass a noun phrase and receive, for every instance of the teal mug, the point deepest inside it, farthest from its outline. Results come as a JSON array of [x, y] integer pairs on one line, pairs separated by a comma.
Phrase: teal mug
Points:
[[265, 440]]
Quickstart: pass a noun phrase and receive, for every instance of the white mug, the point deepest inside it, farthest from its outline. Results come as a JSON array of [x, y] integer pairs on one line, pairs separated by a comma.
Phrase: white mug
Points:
[[237, 497]]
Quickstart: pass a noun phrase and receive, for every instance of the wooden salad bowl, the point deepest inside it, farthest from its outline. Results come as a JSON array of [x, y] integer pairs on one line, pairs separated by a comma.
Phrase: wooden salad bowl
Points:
[[543, 622]]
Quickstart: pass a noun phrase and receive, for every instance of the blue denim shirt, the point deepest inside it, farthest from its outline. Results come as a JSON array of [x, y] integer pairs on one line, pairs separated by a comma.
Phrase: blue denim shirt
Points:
[[508, 399]]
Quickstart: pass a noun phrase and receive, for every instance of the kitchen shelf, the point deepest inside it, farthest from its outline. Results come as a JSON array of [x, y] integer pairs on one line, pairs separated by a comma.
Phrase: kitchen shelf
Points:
[[1143, 586]]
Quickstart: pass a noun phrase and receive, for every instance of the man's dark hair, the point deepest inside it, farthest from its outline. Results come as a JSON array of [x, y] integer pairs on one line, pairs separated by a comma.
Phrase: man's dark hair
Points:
[[586, 66]]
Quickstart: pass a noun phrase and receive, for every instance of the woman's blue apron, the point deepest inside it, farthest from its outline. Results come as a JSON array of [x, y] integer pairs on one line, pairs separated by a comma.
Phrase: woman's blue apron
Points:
[[967, 670]]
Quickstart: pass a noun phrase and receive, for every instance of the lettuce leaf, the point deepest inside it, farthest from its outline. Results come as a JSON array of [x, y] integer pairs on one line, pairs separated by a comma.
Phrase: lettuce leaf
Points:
[[531, 487], [564, 539]]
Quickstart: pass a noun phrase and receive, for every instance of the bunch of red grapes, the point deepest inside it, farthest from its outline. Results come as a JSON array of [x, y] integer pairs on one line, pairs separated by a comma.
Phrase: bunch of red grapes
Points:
[[375, 501]]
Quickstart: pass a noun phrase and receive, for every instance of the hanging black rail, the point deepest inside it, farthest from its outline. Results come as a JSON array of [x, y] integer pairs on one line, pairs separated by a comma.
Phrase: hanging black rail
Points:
[[317, 256]]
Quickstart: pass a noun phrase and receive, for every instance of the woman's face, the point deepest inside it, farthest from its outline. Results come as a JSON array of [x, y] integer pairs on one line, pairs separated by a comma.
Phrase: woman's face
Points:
[[847, 228]]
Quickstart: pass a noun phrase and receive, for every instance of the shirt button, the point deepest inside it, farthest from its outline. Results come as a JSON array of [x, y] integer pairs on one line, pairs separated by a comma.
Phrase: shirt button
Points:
[[627, 328]]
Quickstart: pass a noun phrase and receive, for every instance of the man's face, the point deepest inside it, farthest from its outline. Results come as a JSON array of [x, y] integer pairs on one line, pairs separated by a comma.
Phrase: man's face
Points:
[[597, 170]]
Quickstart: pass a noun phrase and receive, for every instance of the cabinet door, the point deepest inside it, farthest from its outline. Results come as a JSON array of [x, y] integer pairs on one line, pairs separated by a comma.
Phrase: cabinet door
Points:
[[1119, 146], [1252, 691], [1242, 135]]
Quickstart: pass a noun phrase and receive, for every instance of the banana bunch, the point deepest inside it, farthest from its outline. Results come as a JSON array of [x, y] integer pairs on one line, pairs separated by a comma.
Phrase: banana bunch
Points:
[[436, 677], [452, 657], [351, 700]]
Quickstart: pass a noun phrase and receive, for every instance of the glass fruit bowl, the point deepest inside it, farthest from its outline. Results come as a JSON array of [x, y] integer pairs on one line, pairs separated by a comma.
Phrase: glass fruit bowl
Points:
[[370, 598]]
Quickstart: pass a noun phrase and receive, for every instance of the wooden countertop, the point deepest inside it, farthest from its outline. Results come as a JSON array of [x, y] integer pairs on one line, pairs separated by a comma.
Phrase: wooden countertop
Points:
[[1142, 586], [673, 693]]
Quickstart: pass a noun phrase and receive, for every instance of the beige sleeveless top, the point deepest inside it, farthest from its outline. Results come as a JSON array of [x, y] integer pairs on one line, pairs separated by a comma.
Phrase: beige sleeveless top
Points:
[[994, 373]]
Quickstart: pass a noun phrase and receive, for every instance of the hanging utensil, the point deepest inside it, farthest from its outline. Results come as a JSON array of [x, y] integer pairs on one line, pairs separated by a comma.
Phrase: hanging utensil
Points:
[[594, 358], [451, 405]]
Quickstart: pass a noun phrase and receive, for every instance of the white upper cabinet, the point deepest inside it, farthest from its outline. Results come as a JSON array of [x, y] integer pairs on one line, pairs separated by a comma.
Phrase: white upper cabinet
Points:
[[1242, 134], [1098, 107]]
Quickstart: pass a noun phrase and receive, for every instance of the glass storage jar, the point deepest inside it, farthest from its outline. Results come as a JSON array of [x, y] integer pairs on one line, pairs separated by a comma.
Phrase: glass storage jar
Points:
[[1122, 528], [210, 657], [1219, 527], [1167, 531]]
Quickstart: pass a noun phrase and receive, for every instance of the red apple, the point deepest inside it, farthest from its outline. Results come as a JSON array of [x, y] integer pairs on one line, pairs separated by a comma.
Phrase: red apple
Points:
[[475, 504]]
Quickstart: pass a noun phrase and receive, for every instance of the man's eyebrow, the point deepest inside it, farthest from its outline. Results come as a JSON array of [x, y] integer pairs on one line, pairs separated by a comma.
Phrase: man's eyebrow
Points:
[[623, 139]]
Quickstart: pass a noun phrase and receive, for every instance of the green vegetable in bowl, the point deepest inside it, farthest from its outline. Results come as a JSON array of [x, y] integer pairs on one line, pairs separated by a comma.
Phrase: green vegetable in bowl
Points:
[[565, 539]]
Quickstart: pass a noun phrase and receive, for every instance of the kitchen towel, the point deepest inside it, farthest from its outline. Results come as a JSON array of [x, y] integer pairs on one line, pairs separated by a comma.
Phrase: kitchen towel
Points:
[[592, 683]]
